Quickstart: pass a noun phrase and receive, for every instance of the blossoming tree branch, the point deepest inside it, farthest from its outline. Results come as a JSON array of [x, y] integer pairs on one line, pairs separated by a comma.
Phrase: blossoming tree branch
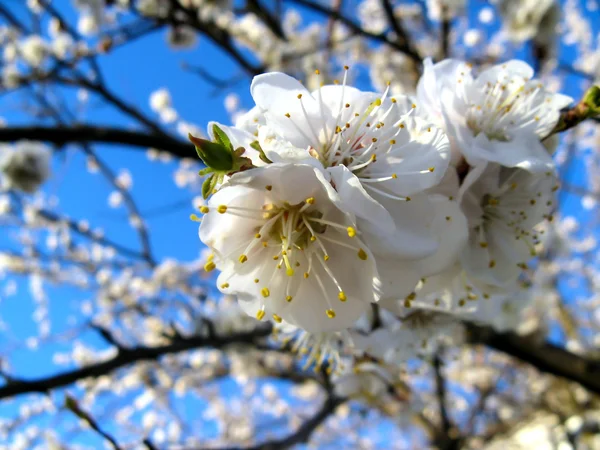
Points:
[[397, 224]]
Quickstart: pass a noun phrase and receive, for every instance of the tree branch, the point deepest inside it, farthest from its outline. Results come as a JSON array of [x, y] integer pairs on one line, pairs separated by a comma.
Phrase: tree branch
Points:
[[544, 356], [107, 135], [357, 29], [126, 357], [302, 434]]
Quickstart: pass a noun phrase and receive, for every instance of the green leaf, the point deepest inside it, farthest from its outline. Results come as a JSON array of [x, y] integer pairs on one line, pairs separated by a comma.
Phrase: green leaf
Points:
[[208, 186], [213, 154], [221, 137], [592, 100], [261, 153]]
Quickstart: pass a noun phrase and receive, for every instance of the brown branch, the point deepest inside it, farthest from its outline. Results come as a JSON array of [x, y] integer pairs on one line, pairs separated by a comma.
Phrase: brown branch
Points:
[[446, 438], [302, 434], [357, 29], [544, 356], [107, 135], [125, 358]]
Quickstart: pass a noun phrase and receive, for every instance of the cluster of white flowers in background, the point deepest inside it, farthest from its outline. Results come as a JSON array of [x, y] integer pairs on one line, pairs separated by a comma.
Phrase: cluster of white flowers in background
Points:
[[430, 206], [24, 166]]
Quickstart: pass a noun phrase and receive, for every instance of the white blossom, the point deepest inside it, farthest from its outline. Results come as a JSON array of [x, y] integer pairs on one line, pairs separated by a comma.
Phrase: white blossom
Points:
[[499, 116], [287, 250], [25, 167]]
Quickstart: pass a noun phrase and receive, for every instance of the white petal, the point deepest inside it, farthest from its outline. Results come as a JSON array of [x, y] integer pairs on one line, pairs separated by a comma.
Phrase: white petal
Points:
[[358, 201], [524, 152], [277, 94]]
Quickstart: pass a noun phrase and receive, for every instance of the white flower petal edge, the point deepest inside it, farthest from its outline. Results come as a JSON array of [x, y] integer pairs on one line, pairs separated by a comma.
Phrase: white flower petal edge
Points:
[[499, 116], [288, 250], [504, 206]]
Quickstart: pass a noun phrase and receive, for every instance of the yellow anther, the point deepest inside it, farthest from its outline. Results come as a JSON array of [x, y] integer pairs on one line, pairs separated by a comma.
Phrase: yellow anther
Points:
[[265, 244], [513, 186], [414, 106], [306, 274], [330, 313], [373, 158], [394, 176], [276, 318], [325, 257], [256, 280], [378, 102], [394, 100], [287, 115], [431, 169], [313, 238], [317, 72], [260, 314], [392, 141], [209, 266], [288, 298], [362, 254], [268, 187], [222, 209], [351, 231], [289, 272], [342, 296], [275, 258], [265, 292], [411, 296], [257, 236], [224, 285], [195, 218], [346, 67], [347, 105], [243, 259], [310, 200], [401, 125], [204, 209], [448, 218], [483, 244], [299, 96], [374, 140], [492, 264], [493, 201], [408, 199]]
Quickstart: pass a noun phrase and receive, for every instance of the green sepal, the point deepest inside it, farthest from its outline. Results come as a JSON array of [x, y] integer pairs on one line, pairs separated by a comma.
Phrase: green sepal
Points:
[[221, 137], [208, 185], [215, 155], [261, 153]]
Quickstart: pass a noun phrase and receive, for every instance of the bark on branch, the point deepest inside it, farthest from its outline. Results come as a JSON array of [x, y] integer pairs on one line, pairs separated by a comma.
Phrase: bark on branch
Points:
[[544, 356], [106, 135], [125, 358]]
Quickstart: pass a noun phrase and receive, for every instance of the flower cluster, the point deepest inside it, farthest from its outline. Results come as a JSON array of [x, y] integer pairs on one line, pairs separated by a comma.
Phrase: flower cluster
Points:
[[325, 203], [24, 166]]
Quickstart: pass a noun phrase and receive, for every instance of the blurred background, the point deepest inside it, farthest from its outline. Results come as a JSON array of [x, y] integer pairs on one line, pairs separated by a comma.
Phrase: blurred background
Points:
[[111, 333]]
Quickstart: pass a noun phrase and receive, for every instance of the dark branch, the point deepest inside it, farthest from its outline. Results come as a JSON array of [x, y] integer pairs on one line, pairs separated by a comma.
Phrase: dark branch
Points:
[[302, 434], [72, 404], [106, 135], [127, 357], [446, 438], [543, 356], [357, 29]]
